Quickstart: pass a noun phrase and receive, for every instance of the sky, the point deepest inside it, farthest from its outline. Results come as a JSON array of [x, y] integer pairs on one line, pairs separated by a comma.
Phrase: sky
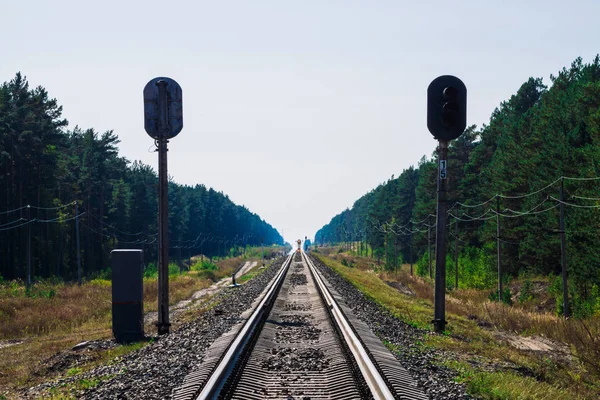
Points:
[[294, 109]]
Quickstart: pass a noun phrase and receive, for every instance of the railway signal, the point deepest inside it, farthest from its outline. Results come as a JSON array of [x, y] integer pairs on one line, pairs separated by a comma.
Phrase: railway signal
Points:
[[446, 120], [446, 107], [163, 120]]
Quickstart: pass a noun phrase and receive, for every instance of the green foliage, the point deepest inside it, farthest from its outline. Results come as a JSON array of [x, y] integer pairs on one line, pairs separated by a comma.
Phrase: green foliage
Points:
[[422, 265], [174, 269], [73, 371], [44, 163], [526, 291], [506, 296], [347, 263], [151, 270], [204, 265], [476, 269], [508, 156]]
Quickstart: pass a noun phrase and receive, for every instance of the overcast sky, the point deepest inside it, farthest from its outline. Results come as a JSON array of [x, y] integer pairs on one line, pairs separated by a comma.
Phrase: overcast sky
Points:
[[293, 108]]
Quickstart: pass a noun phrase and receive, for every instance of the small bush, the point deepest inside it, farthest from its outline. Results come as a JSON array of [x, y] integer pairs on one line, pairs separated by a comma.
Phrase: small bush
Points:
[[204, 265], [151, 270], [423, 265], [506, 296], [174, 269], [207, 274], [526, 291]]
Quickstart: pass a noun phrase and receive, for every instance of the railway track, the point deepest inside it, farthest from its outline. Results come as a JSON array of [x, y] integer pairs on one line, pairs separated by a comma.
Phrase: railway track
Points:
[[299, 341]]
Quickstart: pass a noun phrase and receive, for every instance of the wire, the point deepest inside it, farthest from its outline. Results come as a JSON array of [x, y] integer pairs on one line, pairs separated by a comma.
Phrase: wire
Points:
[[12, 211], [472, 219], [586, 198], [532, 193], [18, 226], [98, 220], [506, 241], [474, 205], [527, 213], [581, 179], [58, 219], [13, 222], [52, 208], [573, 205], [530, 211]]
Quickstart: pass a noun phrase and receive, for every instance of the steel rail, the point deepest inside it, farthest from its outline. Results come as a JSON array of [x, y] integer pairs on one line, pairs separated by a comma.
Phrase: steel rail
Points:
[[222, 371], [373, 378]]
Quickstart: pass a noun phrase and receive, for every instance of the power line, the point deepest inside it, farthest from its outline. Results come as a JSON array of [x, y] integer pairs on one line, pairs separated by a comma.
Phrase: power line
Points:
[[18, 226], [573, 205]]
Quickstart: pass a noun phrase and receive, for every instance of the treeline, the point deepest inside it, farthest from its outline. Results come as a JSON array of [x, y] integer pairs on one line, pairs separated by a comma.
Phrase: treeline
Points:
[[507, 173], [53, 179]]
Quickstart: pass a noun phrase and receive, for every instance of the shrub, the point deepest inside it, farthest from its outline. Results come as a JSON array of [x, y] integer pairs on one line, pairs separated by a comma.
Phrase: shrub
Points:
[[526, 291], [204, 265], [475, 269], [506, 296], [174, 269], [423, 265], [151, 270]]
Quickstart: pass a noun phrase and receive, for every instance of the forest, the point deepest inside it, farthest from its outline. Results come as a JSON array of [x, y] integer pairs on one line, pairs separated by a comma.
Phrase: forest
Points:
[[59, 186], [508, 181]]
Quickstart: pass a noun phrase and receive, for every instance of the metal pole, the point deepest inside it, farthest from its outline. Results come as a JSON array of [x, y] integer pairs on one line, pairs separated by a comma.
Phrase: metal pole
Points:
[[563, 252], [262, 249], [439, 321], [395, 254], [28, 246], [163, 216], [456, 256], [498, 248], [79, 270], [429, 243], [411, 249]]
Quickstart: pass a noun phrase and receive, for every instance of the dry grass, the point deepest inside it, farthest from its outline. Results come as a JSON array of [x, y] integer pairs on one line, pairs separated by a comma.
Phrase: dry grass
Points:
[[53, 317], [74, 314], [469, 308]]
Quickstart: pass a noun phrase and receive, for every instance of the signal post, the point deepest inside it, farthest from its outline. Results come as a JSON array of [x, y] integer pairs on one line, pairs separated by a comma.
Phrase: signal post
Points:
[[446, 120], [163, 120]]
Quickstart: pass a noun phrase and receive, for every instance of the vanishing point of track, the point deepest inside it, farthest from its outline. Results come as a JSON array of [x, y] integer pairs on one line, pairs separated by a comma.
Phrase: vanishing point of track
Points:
[[299, 342]]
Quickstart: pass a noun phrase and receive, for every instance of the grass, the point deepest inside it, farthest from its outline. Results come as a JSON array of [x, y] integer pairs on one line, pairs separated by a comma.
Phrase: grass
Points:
[[531, 375], [78, 313], [507, 385]]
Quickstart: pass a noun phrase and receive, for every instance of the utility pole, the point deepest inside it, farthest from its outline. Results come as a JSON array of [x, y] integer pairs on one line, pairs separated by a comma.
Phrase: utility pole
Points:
[[456, 255], [429, 244], [498, 248], [29, 246], [262, 249], [411, 248], [563, 252], [79, 270]]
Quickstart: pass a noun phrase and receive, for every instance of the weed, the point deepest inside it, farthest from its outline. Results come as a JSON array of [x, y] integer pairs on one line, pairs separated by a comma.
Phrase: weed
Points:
[[73, 371], [526, 291]]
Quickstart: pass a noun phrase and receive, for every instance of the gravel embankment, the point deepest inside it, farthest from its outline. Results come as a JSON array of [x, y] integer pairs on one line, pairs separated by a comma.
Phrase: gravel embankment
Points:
[[437, 381], [153, 371]]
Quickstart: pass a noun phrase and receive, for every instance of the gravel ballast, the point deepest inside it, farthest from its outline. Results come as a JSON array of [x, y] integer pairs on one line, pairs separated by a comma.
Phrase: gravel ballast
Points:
[[153, 371], [435, 380]]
